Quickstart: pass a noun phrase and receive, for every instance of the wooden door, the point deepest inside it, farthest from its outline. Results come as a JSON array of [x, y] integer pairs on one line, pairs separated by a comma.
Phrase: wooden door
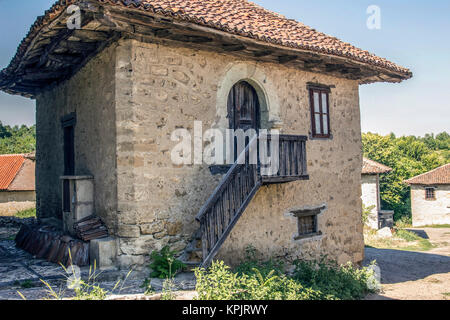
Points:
[[243, 107], [69, 164]]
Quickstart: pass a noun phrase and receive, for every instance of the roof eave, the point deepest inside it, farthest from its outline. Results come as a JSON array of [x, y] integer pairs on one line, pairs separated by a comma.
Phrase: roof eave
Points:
[[12, 78]]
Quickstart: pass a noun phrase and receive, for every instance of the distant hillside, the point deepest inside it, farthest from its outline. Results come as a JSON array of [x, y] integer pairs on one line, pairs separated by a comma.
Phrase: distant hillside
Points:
[[407, 156], [17, 139]]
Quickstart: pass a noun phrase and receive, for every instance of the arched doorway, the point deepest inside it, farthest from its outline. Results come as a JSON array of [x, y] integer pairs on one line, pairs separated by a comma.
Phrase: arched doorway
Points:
[[243, 107]]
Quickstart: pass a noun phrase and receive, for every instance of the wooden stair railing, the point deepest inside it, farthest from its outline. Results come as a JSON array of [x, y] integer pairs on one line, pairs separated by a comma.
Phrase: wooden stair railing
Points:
[[229, 200], [223, 209]]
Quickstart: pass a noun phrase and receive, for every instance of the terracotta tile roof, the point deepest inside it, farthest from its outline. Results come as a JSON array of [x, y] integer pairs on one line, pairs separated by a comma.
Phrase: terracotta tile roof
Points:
[[439, 175], [373, 167], [9, 167], [239, 17]]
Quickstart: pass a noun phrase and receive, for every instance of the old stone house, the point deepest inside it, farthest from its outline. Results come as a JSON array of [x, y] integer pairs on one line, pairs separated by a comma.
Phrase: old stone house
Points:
[[111, 91], [17, 183], [370, 189], [430, 197]]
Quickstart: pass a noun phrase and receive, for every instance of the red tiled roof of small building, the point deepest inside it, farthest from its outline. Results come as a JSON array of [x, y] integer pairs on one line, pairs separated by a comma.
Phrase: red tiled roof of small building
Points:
[[11, 167], [239, 17], [439, 175], [373, 167]]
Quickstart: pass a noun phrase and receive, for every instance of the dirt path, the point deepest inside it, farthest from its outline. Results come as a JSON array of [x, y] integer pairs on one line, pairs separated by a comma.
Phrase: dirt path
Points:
[[408, 275]]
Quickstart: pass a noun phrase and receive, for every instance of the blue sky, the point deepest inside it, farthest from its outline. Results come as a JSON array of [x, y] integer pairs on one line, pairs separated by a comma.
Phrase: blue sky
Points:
[[413, 33]]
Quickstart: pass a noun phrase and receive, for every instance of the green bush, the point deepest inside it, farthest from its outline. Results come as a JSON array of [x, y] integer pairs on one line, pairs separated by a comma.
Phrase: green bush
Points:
[[310, 281], [407, 235], [164, 265], [333, 281], [404, 222], [220, 283], [251, 263]]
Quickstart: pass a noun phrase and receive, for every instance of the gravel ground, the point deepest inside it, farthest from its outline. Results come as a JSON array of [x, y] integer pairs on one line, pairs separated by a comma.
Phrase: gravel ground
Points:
[[20, 271], [407, 275]]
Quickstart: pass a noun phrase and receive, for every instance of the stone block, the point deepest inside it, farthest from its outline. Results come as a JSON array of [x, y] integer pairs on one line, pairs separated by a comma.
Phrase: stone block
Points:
[[152, 228], [128, 231], [103, 252]]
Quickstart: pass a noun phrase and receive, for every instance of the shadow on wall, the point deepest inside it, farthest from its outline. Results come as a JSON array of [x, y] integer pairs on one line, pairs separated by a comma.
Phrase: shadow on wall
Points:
[[400, 266]]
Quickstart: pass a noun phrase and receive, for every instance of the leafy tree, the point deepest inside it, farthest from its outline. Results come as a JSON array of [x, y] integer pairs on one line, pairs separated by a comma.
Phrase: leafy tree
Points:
[[17, 139], [407, 156]]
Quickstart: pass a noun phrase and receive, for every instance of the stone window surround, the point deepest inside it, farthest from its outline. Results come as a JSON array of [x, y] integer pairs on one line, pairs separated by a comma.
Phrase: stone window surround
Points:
[[255, 76], [317, 211]]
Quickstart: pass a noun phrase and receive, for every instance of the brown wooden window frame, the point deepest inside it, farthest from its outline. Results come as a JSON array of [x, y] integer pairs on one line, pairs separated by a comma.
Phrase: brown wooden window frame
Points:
[[321, 113], [302, 215], [430, 193]]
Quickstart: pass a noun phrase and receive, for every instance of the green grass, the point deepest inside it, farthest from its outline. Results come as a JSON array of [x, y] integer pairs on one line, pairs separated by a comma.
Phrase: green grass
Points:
[[437, 226], [407, 235], [29, 213], [406, 241], [420, 245]]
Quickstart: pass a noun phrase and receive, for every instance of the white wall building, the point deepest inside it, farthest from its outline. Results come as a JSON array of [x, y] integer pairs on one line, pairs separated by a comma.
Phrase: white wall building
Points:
[[370, 193], [430, 197]]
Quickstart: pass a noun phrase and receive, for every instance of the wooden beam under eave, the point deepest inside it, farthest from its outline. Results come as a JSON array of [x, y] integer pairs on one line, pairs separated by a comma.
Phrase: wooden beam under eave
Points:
[[286, 59], [232, 47], [263, 53]]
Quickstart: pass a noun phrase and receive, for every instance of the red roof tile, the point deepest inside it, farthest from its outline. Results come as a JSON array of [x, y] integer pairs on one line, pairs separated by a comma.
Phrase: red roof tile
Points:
[[238, 17], [373, 167], [439, 175], [9, 167]]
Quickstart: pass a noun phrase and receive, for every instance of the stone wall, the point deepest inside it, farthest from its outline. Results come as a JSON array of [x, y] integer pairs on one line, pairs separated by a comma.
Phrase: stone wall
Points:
[[91, 95], [160, 88], [12, 202], [370, 195], [129, 100], [430, 212]]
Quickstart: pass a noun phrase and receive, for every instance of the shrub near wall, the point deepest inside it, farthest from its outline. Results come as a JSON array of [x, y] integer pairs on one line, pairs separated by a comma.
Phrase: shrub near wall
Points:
[[310, 281]]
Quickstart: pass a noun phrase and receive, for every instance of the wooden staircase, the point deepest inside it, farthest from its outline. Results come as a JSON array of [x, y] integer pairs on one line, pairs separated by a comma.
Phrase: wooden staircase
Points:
[[237, 188]]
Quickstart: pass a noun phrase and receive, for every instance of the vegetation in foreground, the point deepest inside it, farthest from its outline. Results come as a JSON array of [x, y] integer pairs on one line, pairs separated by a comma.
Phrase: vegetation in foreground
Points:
[[77, 288], [267, 280]]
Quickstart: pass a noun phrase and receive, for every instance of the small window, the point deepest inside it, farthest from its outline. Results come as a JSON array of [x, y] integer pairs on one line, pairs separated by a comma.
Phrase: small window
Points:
[[430, 194], [320, 113], [307, 223]]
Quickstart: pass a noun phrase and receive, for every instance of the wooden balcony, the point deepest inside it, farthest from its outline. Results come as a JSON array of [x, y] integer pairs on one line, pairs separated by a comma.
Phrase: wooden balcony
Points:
[[292, 160]]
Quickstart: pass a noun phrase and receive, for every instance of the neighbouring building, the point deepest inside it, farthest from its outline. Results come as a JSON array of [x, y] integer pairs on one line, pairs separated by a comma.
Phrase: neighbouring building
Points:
[[111, 92], [370, 188], [430, 197], [17, 183]]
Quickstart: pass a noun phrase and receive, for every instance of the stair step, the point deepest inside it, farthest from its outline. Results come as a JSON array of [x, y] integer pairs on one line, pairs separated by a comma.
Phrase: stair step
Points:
[[190, 250], [197, 235], [190, 265]]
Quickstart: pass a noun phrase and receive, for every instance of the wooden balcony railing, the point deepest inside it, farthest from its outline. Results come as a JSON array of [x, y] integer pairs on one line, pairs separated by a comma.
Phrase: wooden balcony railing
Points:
[[292, 159]]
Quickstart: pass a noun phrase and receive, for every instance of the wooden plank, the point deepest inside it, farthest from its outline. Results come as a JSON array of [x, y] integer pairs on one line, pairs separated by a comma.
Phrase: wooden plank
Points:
[[219, 243]]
